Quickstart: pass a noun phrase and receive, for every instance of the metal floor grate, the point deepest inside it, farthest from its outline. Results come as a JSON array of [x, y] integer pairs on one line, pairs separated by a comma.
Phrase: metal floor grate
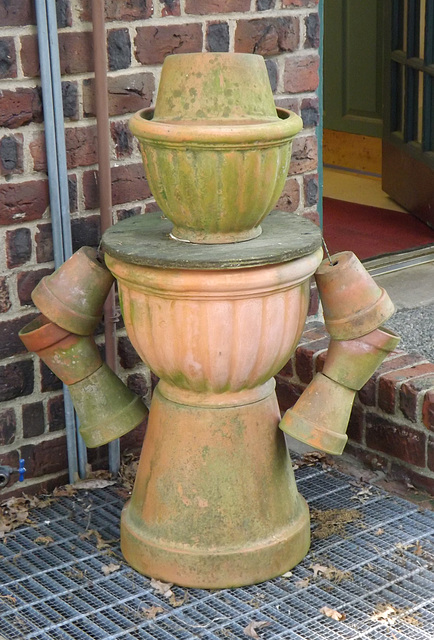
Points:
[[58, 591]]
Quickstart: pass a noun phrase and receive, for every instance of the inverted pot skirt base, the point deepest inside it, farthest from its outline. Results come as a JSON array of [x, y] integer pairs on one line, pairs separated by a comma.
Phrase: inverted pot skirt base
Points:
[[215, 502]]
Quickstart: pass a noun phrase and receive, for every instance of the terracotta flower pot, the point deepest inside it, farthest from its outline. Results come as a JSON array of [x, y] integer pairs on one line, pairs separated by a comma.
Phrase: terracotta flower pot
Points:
[[321, 414], [352, 362], [73, 296], [215, 151], [70, 357], [105, 406], [353, 303]]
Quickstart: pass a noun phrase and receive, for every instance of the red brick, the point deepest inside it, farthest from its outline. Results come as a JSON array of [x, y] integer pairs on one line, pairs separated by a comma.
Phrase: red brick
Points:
[[5, 300], [86, 231], [11, 155], [128, 185], [23, 201], [33, 419], [313, 300], [314, 331], [8, 60], [56, 413], [170, 8], [16, 380], [30, 55], [27, 281], [151, 206], [17, 13], [49, 381], [267, 36], [153, 44], [139, 384], [18, 247], [431, 453], [428, 410], [287, 370], [304, 155], [285, 102], [423, 480], [368, 458], [76, 52], [410, 392], [304, 358], [45, 457], [396, 440], [312, 29], [8, 425], [44, 243], [122, 214], [128, 356], [311, 191], [81, 148], [368, 393], [356, 424], [10, 343], [115, 10], [19, 107], [389, 382], [123, 139], [205, 7], [313, 216], [310, 112], [290, 198], [287, 393], [126, 93], [301, 73], [10, 459]]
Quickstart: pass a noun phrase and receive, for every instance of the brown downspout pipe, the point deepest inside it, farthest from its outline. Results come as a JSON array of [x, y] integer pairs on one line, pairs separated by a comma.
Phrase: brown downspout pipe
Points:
[[104, 181]]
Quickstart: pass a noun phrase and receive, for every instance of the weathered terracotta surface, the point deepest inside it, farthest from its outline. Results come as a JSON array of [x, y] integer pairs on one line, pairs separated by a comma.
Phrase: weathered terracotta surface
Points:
[[215, 502], [353, 303], [216, 162], [105, 406], [216, 331], [72, 358], [352, 362], [214, 86], [320, 416], [73, 296]]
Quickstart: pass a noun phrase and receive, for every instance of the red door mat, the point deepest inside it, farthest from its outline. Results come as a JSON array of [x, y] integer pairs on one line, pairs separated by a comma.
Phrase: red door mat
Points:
[[370, 231]]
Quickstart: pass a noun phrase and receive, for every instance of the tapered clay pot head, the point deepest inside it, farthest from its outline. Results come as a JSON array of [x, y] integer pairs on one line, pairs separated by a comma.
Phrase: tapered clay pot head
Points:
[[352, 362], [216, 151], [70, 357], [106, 408], [353, 303], [321, 414], [73, 296]]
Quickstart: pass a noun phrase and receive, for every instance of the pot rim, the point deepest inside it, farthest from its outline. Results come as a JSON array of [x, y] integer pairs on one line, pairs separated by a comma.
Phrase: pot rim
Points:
[[239, 133], [41, 333]]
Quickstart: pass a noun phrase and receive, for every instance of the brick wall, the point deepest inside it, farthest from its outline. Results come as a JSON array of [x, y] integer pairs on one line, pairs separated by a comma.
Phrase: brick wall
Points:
[[140, 33], [392, 424]]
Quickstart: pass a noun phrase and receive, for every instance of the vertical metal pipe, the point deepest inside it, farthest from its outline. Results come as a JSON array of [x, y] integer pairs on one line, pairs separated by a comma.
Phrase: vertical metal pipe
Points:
[[55, 202], [105, 194]]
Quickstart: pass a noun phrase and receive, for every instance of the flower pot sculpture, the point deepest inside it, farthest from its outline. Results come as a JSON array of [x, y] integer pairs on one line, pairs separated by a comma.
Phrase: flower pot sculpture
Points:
[[214, 296]]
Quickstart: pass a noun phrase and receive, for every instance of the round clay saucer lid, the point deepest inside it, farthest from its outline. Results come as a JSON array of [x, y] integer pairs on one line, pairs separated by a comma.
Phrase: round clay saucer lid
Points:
[[146, 240]]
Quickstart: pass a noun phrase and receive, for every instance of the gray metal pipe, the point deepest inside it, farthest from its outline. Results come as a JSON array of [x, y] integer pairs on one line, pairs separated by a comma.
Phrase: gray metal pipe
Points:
[[59, 200]]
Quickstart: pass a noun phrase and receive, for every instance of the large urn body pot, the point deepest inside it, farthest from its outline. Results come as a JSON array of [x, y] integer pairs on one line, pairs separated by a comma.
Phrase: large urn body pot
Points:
[[215, 502]]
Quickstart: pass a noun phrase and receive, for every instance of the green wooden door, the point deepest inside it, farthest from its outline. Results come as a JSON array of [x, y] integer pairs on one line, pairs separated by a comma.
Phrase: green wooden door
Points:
[[408, 140], [353, 63]]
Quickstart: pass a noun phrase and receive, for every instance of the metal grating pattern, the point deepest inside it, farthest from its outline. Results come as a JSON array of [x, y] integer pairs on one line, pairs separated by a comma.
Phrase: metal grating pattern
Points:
[[381, 577]]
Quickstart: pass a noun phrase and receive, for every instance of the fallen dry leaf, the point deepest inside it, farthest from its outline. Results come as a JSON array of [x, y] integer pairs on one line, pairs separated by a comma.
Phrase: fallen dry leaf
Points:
[[100, 542], [330, 573], [250, 630], [379, 532], [332, 613], [319, 569], [301, 584], [151, 612], [177, 603], [288, 574], [332, 521], [418, 551], [107, 569], [163, 588], [44, 540], [15, 511]]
